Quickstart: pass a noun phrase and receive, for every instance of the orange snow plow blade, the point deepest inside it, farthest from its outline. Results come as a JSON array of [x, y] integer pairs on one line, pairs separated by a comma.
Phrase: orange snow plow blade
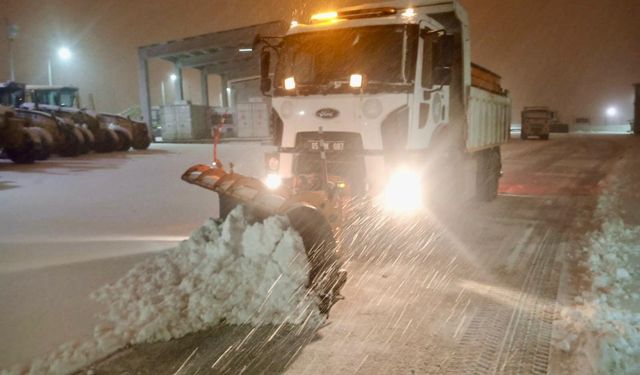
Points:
[[315, 215]]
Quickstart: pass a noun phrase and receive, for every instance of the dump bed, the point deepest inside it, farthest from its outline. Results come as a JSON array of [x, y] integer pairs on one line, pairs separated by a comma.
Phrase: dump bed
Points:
[[488, 112]]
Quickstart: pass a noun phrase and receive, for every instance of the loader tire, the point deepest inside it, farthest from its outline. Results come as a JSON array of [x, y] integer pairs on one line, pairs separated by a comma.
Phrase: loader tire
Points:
[[488, 174], [107, 140], [89, 138], [124, 140], [72, 144], [22, 155], [142, 142], [83, 146], [26, 153], [46, 142]]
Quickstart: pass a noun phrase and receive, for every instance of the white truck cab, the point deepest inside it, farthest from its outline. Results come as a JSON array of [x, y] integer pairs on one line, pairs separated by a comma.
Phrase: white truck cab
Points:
[[382, 95]]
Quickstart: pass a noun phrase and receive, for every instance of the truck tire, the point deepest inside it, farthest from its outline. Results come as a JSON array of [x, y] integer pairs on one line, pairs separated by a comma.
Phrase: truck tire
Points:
[[488, 175], [544, 137], [523, 135]]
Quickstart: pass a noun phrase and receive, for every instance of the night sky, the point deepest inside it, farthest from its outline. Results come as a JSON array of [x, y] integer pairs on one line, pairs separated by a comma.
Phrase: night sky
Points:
[[578, 56]]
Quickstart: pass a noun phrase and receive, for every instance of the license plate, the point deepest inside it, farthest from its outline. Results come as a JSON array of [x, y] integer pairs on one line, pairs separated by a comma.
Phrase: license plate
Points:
[[328, 145]]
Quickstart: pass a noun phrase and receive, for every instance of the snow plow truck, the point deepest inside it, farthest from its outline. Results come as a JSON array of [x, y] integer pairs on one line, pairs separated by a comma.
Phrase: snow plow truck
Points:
[[375, 105]]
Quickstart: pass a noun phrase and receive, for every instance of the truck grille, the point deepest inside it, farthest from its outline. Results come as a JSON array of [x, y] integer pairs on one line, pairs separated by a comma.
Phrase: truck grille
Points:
[[343, 152]]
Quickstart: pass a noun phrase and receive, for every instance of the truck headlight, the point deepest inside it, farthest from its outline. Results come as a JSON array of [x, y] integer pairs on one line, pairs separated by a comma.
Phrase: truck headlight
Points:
[[273, 181], [403, 193], [290, 83]]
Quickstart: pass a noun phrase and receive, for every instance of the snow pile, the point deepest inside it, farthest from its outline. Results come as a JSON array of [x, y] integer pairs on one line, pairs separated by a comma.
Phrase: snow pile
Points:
[[235, 273], [604, 325]]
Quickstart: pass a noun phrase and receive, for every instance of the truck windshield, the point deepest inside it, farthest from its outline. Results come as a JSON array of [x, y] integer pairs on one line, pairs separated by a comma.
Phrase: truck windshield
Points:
[[323, 61]]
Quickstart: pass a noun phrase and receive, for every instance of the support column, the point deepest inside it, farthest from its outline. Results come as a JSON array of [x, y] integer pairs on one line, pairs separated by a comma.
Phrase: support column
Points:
[[204, 86], [225, 90], [143, 88], [636, 111], [178, 83]]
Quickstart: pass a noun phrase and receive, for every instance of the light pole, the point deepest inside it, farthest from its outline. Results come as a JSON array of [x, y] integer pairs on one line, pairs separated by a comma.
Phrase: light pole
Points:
[[64, 54], [12, 34]]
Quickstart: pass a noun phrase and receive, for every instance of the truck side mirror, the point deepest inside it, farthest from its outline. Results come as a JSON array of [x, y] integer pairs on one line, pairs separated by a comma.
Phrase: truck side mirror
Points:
[[265, 63], [443, 56]]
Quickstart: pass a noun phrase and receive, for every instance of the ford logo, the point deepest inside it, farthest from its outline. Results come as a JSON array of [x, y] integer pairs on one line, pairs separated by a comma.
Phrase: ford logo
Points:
[[327, 113]]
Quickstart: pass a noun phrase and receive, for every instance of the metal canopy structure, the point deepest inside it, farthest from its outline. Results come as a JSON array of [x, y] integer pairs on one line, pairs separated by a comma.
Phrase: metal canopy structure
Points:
[[226, 53]]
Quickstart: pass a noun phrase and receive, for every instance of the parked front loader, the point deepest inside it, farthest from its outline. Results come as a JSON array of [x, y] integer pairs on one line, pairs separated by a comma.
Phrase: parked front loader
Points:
[[18, 142], [60, 137], [137, 131]]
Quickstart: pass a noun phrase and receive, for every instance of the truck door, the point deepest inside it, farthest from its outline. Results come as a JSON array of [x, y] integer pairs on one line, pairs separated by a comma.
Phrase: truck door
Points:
[[432, 86]]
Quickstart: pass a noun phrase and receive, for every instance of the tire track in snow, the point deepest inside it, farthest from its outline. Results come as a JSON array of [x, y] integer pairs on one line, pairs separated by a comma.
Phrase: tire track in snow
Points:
[[505, 338]]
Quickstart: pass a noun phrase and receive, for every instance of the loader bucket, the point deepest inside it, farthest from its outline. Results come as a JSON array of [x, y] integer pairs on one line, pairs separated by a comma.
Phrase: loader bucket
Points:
[[305, 215]]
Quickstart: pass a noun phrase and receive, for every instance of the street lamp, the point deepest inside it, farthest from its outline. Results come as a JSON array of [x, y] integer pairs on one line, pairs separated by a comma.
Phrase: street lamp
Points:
[[611, 113], [64, 54]]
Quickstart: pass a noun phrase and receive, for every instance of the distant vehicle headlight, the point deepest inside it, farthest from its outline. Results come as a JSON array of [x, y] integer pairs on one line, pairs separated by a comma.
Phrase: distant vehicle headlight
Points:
[[403, 193], [372, 108], [273, 181]]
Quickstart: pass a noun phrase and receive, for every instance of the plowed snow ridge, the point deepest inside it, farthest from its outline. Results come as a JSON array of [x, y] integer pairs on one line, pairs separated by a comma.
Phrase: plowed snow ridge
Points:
[[234, 273], [603, 326]]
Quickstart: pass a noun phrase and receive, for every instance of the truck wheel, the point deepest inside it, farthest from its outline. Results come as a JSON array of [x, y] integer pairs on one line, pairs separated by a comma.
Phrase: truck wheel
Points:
[[488, 175], [523, 135], [544, 137]]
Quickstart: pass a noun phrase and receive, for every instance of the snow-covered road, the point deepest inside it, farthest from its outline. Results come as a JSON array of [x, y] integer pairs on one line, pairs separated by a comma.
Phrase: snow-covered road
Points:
[[470, 291]]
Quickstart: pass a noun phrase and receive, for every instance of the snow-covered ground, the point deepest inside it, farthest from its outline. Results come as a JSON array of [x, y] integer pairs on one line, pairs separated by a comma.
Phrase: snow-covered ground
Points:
[[479, 292], [71, 225]]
